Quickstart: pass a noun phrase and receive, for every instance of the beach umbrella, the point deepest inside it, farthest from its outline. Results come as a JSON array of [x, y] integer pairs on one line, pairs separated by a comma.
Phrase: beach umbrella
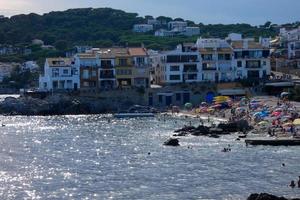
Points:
[[278, 110], [188, 105], [284, 94], [263, 123], [203, 104], [296, 122], [288, 124]]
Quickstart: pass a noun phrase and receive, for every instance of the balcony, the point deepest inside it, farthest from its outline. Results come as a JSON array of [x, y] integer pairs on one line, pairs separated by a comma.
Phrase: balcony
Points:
[[107, 66], [209, 68], [107, 76]]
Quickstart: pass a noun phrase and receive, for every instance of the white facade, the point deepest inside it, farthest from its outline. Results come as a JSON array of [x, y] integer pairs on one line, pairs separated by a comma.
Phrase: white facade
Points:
[[177, 67], [164, 33], [191, 31], [59, 74], [212, 60], [217, 57], [142, 28], [251, 60], [234, 37], [179, 25], [30, 65]]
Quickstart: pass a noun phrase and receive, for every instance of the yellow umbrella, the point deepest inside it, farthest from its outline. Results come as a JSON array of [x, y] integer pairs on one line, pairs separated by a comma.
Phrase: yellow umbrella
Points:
[[296, 122]]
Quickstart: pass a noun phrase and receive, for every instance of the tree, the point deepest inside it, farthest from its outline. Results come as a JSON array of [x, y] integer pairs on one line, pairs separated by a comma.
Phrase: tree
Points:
[[267, 24], [61, 45]]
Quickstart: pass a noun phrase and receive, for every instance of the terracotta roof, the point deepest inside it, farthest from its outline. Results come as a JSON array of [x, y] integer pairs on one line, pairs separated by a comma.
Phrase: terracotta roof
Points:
[[137, 52], [59, 62], [251, 45]]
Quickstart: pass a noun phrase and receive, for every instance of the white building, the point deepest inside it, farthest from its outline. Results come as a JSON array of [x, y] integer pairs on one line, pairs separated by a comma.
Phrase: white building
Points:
[[142, 28], [164, 33], [179, 25], [59, 74], [153, 22], [251, 59], [234, 37], [191, 31], [217, 57], [30, 65], [177, 66]]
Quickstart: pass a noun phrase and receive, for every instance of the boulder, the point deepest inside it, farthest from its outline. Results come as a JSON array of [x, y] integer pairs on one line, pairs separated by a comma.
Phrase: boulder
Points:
[[172, 142], [265, 196]]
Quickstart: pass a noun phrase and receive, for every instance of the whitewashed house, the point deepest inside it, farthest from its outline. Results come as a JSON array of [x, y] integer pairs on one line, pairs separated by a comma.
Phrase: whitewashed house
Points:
[[191, 31], [59, 74], [142, 28], [179, 25]]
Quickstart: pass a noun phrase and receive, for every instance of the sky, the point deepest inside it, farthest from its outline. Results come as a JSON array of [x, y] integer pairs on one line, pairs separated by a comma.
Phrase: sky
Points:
[[254, 12]]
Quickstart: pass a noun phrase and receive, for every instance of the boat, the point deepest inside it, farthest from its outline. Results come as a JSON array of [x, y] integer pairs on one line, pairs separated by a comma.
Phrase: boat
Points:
[[133, 115], [274, 142]]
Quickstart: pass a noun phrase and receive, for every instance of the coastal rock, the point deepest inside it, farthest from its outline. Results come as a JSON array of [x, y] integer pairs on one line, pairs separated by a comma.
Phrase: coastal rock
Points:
[[172, 142], [265, 196]]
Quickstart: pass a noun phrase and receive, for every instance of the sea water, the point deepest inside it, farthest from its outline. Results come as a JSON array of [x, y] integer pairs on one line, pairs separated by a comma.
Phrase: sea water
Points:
[[98, 157]]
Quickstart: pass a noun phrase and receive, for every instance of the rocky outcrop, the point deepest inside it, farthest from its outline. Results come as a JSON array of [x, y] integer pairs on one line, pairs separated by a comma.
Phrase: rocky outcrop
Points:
[[172, 142], [265, 196], [200, 131], [55, 105]]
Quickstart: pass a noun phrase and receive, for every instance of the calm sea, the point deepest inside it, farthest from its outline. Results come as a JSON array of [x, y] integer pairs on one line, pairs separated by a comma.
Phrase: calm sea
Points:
[[97, 157]]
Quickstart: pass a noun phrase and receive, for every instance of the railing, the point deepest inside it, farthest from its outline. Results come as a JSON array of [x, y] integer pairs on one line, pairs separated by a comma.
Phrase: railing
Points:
[[209, 68], [107, 76], [190, 70], [107, 66]]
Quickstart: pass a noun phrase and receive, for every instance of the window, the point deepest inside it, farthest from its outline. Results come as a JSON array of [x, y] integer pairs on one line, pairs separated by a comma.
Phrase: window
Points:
[[178, 96], [94, 73], [85, 74], [264, 63], [238, 54], [55, 72], [106, 63], [65, 71], [239, 63], [160, 98], [207, 56], [174, 77], [123, 62], [140, 60], [174, 68], [86, 84], [253, 64]]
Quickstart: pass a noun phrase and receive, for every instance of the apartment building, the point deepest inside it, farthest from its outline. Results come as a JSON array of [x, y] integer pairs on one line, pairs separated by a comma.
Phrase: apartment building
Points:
[[177, 66], [179, 25], [217, 57], [251, 59], [59, 74], [88, 65]]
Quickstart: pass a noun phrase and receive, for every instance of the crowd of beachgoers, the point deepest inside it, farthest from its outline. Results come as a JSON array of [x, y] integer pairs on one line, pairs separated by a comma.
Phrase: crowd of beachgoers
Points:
[[275, 116]]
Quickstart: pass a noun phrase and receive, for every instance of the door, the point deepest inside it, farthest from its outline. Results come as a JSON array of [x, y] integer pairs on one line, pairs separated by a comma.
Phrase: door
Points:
[[150, 101], [75, 86], [168, 100], [186, 98]]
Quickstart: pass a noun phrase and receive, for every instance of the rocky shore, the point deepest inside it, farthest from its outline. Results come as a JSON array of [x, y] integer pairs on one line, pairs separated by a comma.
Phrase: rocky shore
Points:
[[59, 105], [265, 196]]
